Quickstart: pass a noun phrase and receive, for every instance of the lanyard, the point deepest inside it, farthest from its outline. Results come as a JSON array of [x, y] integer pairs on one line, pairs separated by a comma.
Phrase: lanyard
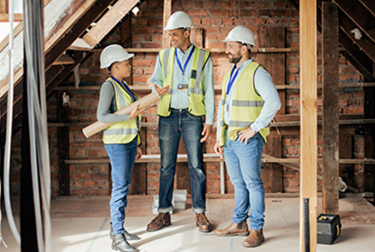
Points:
[[186, 62], [127, 89], [231, 79]]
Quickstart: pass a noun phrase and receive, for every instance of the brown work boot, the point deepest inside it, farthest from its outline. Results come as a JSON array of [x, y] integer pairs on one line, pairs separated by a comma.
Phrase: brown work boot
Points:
[[202, 222], [161, 220], [254, 239], [234, 229]]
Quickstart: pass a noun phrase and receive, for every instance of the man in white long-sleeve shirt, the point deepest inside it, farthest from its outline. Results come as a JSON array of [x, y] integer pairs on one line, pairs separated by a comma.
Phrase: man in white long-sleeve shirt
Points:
[[248, 104], [187, 70]]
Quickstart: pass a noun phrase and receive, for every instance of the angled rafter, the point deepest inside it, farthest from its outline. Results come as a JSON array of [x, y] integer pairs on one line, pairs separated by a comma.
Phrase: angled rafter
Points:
[[54, 34], [64, 59], [370, 5], [352, 52], [89, 11], [80, 45], [78, 57], [366, 44], [110, 20], [362, 62], [360, 16]]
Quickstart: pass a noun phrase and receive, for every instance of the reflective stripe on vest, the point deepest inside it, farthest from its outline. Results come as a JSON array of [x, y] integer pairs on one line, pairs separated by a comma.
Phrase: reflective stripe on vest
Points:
[[196, 92], [126, 131], [246, 105]]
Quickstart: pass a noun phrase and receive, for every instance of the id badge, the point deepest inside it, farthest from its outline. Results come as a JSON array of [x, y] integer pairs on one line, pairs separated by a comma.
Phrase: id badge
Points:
[[182, 87], [183, 84]]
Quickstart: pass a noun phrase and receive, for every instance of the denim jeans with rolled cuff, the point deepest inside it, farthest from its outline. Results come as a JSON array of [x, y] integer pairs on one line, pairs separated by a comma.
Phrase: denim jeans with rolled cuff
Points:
[[179, 124]]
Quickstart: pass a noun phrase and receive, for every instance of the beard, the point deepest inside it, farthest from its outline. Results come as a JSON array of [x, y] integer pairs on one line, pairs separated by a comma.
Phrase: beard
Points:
[[234, 59]]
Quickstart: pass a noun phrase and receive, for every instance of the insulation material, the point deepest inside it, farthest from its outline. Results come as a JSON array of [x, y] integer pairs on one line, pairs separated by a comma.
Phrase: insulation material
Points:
[[357, 33], [53, 13]]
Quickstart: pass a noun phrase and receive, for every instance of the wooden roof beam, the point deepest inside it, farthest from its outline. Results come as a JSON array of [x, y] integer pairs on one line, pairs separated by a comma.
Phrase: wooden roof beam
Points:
[[4, 17], [359, 59], [353, 53], [88, 11], [360, 15], [365, 43], [109, 21], [370, 5], [64, 59], [80, 45]]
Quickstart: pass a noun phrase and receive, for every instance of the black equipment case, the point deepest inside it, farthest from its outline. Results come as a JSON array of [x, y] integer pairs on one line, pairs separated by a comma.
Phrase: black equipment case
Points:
[[328, 227]]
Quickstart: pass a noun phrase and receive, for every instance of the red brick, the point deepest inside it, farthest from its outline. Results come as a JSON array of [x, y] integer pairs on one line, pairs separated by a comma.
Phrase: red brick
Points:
[[136, 62], [280, 4], [79, 192], [92, 153], [99, 176], [81, 153], [206, 21], [78, 184], [143, 30], [220, 13], [271, 21], [102, 184], [259, 21], [89, 184], [200, 12], [79, 176], [100, 192]]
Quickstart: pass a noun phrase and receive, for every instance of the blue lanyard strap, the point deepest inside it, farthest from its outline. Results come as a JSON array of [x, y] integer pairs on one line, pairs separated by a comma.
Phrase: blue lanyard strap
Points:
[[186, 62], [232, 78], [127, 89]]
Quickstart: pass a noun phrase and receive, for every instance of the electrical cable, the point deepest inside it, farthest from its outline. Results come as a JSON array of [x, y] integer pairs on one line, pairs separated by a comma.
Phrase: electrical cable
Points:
[[7, 202], [42, 141], [34, 53]]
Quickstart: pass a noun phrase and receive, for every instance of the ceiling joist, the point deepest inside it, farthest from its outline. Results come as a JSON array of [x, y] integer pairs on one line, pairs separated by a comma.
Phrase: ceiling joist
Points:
[[370, 5], [366, 44], [109, 21], [359, 15]]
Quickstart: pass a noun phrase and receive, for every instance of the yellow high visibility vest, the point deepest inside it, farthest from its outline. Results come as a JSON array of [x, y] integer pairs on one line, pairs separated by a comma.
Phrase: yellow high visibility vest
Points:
[[246, 105], [196, 93], [126, 131]]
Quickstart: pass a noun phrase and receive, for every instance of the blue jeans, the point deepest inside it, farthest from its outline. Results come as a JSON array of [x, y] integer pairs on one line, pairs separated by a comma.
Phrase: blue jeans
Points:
[[244, 166], [181, 124], [122, 157]]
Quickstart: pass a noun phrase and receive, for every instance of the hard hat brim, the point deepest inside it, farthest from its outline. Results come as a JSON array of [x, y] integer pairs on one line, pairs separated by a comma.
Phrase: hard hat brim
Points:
[[237, 40], [130, 55], [174, 28]]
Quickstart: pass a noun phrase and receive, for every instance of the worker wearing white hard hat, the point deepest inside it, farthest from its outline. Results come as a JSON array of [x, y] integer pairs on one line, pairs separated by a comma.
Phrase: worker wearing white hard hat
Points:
[[187, 70], [121, 139], [249, 102]]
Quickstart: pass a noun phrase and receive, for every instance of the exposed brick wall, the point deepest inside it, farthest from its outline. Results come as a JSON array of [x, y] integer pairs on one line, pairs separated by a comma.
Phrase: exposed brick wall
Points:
[[217, 18]]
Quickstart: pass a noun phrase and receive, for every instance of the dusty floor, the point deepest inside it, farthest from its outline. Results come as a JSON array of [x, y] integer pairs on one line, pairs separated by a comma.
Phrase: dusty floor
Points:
[[82, 225]]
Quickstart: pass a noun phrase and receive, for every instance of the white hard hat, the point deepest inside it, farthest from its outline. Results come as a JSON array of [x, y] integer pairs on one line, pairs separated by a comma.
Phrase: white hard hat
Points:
[[112, 54], [177, 20], [241, 34]]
